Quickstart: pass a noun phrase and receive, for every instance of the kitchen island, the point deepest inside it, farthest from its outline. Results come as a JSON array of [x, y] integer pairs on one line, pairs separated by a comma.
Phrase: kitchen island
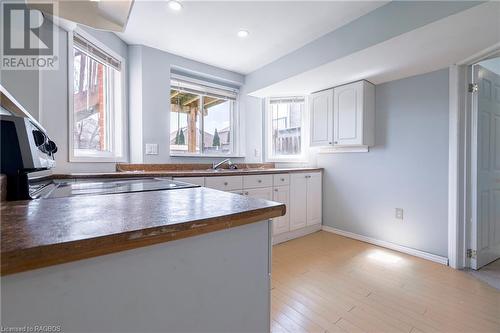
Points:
[[188, 260]]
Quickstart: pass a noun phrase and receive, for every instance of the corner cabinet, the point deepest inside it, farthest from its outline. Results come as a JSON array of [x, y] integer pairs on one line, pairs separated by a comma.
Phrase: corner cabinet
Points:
[[348, 121]]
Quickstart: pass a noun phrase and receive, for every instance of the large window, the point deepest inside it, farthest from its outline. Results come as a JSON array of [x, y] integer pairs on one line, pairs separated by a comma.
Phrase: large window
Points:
[[285, 129], [202, 119], [97, 114]]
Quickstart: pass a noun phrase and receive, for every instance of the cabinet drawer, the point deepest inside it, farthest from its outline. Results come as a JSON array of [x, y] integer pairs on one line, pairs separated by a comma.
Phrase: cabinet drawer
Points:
[[192, 180], [281, 180], [229, 183], [257, 181]]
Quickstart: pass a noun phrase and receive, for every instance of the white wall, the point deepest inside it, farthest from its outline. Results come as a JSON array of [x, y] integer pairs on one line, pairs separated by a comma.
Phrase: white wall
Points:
[[408, 168]]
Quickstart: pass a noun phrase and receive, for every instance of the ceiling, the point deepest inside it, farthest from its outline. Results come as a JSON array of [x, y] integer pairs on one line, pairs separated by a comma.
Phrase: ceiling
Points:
[[206, 31], [434, 46]]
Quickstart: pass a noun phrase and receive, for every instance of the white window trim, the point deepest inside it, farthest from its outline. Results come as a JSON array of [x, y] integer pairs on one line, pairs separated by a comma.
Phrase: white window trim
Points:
[[302, 158], [104, 157], [235, 126]]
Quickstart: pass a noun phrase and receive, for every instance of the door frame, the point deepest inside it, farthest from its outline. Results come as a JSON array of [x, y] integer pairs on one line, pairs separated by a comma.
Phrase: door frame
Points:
[[460, 192]]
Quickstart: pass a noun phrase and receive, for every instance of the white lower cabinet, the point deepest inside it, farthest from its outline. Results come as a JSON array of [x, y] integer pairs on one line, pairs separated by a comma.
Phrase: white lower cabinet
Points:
[[314, 199], [281, 224], [298, 201], [300, 192], [260, 193], [305, 200]]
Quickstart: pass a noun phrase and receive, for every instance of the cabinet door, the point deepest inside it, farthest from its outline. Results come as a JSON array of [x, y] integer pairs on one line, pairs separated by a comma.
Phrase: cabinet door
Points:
[[281, 224], [321, 113], [348, 114], [298, 200], [260, 193], [314, 198]]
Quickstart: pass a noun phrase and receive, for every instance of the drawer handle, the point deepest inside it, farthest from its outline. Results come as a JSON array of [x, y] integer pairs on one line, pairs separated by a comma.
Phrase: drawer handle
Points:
[[246, 193], [275, 190], [259, 181], [282, 179], [225, 183]]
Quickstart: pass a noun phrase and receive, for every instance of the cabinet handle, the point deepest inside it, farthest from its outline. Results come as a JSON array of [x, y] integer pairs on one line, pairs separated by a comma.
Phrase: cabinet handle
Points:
[[329, 143], [259, 181], [225, 183], [275, 190], [336, 142], [246, 193], [282, 179]]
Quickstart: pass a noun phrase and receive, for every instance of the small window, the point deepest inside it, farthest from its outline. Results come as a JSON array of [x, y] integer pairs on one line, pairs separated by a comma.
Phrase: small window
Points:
[[97, 113], [202, 119], [285, 129]]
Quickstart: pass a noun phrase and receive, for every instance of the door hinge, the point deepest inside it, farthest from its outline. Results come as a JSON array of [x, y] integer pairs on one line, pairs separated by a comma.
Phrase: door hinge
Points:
[[471, 253], [473, 87]]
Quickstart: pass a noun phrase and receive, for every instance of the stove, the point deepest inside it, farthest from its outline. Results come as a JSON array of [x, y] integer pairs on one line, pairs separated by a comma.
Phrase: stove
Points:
[[28, 155]]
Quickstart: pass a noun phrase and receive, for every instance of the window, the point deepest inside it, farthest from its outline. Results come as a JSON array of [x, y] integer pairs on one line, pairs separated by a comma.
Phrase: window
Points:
[[202, 118], [285, 129], [96, 118]]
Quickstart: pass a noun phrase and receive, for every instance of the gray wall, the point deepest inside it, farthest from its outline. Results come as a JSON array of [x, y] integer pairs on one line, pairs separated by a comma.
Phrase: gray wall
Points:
[[150, 82], [54, 101], [408, 168]]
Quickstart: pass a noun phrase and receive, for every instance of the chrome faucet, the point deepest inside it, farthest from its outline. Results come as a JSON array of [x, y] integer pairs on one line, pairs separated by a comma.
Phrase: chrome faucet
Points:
[[215, 166]]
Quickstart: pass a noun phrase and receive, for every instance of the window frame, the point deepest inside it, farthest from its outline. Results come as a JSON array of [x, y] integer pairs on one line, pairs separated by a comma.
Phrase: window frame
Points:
[[118, 123], [234, 126], [304, 133]]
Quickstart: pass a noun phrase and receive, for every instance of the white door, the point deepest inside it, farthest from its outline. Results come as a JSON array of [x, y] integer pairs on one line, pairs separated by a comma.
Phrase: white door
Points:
[[298, 200], [314, 198], [486, 136], [260, 193], [321, 113], [348, 114], [281, 224]]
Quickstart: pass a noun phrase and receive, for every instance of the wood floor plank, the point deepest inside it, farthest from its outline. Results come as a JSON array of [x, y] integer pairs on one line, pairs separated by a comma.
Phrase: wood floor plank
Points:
[[329, 283]]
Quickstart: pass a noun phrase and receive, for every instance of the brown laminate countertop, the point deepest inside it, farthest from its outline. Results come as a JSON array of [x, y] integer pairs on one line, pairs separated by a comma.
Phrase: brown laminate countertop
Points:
[[46, 232], [186, 173]]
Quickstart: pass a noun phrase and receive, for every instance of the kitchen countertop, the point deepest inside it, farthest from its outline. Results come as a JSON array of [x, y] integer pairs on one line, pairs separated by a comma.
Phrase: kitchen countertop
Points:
[[46, 232], [185, 173]]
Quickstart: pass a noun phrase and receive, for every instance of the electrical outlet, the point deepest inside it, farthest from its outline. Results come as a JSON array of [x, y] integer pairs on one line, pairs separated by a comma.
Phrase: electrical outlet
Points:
[[399, 213], [256, 153], [151, 149]]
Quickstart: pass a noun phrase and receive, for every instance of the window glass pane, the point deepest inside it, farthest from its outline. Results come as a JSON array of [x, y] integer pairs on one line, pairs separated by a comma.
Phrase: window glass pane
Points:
[[185, 126], [286, 128], [91, 102], [217, 125]]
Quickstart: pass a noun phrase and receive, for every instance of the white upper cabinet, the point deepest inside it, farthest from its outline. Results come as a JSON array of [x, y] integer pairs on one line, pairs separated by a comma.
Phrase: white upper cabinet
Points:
[[354, 114], [321, 115], [344, 116]]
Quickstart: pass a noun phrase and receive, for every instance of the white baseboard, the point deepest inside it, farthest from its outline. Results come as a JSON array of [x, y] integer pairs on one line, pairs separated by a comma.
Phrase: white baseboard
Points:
[[295, 234], [389, 245]]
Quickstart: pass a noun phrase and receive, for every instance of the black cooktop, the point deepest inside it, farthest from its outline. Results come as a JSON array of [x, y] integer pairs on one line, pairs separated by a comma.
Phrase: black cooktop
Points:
[[74, 187]]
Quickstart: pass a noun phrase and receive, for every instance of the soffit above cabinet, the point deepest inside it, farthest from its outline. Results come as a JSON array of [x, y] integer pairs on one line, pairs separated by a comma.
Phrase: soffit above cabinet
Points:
[[103, 15]]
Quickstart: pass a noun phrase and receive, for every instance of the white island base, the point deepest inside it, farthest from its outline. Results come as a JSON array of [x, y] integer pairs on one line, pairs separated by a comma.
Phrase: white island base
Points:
[[216, 282]]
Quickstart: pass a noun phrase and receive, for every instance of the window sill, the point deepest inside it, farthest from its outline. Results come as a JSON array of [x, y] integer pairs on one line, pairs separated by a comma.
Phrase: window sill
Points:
[[97, 159]]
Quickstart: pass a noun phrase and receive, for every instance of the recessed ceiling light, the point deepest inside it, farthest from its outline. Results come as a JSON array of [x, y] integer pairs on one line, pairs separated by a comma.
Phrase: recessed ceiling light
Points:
[[175, 5], [243, 33]]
